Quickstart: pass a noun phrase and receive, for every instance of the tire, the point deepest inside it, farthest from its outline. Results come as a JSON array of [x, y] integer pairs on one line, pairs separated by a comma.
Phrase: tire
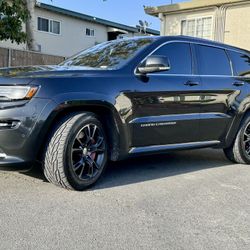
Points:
[[238, 151], [76, 153]]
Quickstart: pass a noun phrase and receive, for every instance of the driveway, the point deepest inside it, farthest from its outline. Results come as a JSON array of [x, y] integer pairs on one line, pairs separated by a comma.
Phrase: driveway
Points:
[[185, 200]]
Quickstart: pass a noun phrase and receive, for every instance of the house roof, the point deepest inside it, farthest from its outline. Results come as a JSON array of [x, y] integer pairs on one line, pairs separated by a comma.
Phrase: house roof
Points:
[[93, 19], [190, 5]]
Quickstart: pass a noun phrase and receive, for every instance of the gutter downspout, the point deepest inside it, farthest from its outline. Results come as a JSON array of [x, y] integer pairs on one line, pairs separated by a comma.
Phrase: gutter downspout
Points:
[[9, 57], [217, 24], [163, 23], [220, 23], [223, 10]]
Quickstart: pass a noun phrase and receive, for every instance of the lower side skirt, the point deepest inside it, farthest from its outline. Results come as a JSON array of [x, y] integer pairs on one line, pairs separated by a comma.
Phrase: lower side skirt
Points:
[[169, 147]]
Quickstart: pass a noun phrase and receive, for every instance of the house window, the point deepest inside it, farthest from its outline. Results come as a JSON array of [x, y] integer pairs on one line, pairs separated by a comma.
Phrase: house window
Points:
[[198, 27], [54, 27], [43, 24], [47, 25], [90, 32]]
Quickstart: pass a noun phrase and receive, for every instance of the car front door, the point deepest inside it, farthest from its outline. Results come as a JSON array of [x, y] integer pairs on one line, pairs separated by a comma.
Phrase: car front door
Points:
[[166, 105]]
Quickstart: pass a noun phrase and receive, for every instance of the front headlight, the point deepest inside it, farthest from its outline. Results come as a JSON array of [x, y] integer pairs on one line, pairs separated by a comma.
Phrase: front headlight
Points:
[[12, 93]]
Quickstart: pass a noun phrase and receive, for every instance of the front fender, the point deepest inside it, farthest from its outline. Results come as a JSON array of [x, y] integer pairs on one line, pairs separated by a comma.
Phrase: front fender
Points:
[[88, 101]]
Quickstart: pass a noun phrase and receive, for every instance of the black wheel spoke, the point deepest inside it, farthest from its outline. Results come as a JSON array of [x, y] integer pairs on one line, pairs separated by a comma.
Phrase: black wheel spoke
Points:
[[77, 165], [77, 150], [96, 165], [99, 142], [94, 131], [89, 160], [88, 141], [81, 173], [246, 140], [88, 131], [91, 171], [247, 135], [95, 149], [92, 163], [79, 141]]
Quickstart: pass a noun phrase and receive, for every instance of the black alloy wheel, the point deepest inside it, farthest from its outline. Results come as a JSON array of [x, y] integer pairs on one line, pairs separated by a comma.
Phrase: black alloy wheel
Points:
[[76, 154]]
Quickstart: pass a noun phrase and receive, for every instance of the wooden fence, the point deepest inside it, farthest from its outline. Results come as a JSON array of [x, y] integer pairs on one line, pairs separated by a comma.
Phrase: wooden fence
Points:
[[13, 57]]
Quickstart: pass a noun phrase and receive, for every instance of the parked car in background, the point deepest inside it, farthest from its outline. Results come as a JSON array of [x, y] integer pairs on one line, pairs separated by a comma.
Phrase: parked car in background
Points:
[[125, 98]]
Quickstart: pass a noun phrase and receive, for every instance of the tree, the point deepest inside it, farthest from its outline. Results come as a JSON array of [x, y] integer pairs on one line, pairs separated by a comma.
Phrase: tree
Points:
[[13, 15], [30, 5]]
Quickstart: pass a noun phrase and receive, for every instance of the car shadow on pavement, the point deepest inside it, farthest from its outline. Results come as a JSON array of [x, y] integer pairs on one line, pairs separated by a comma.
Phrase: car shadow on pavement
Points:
[[152, 167]]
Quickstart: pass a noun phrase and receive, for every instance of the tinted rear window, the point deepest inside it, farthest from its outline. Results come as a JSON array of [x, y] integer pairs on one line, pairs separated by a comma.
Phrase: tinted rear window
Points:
[[212, 61], [241, 63], [179, 55]]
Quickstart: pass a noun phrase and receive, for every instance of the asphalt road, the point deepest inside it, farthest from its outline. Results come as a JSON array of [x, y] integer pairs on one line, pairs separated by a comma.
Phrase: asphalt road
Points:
[[186, 200]]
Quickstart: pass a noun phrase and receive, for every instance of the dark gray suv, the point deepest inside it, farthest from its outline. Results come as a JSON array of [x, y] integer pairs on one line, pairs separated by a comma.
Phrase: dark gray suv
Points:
[[125, 98]]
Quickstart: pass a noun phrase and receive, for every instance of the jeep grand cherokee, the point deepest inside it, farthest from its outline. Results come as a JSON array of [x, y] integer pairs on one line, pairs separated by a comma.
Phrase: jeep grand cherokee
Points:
[[125, 98]]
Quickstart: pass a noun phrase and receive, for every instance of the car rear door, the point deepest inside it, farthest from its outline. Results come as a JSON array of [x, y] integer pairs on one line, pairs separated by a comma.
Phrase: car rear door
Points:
[[221, 92], [166, 106]]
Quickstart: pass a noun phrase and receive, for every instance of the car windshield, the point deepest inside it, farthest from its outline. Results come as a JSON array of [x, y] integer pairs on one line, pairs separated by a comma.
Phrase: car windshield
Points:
[[109, 55]]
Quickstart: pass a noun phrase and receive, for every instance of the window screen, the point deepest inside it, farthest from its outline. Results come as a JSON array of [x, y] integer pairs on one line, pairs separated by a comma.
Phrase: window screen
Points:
[[198, 27], [43, 24], [54, 27], [47, 25]]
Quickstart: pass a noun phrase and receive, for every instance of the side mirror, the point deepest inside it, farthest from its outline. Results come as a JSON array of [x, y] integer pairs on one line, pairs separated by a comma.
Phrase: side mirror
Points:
[[154, 64]]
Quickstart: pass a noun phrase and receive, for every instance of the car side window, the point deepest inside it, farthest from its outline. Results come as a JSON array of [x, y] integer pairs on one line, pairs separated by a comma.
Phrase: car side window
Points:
[[212, 61], [180, 58], [241, 63]]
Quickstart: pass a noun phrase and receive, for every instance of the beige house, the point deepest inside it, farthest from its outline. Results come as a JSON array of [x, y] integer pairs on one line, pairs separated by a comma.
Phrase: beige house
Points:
[[63, 32], [226, 21]]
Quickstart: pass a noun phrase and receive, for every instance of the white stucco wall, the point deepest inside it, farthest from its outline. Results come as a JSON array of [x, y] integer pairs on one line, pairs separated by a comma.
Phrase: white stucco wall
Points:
[[9, 44], [237, 30], [72, 38], [173, 21], [237, 25]]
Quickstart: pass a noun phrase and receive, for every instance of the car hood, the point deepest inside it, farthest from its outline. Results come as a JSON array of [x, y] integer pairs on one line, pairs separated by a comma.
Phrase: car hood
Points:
[[46, 71]]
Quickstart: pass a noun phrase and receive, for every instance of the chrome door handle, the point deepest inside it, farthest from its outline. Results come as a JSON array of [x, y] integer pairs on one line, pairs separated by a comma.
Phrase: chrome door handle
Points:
[[238, 84], [191, 83]]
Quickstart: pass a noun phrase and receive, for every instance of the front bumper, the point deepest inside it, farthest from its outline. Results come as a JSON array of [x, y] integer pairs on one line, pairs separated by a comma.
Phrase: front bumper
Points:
[[19, 143]]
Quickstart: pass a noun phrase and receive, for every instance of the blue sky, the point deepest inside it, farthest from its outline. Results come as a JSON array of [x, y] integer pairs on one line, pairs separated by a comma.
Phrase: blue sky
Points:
[[123, 11]]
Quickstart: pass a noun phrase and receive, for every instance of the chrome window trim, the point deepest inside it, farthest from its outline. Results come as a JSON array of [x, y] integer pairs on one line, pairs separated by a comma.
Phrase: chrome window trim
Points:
[[196, 43], [193, 75], [230, 61], [178, 117]]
